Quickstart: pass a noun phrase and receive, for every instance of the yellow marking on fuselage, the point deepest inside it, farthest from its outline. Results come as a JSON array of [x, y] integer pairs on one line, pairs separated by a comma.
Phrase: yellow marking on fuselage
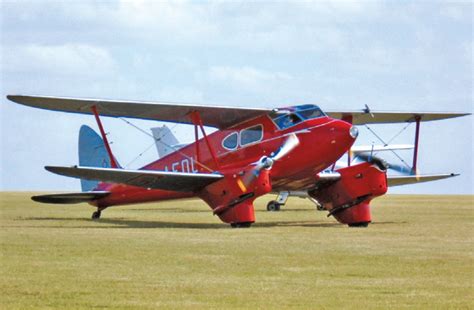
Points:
[[241, 185]]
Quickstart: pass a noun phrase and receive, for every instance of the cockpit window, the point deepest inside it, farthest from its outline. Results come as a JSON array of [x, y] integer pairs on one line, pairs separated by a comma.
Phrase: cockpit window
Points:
[[251, 135], [230, 142], [313, 112], [287, 120], [296, 115]]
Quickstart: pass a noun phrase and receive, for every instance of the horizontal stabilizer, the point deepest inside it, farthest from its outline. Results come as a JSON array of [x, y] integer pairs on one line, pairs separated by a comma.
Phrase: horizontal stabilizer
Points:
[[413, 179], [165, 141], [164, 180], [70, 198]]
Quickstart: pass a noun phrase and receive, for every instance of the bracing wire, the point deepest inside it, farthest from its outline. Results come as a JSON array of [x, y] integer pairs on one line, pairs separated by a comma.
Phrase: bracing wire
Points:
[[140, 155], [160, 141], [399, 133], [387, 143]]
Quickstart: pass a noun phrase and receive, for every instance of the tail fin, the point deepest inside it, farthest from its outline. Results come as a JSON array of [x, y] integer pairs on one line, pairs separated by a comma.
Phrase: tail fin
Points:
[[92, 153], [165, 141]]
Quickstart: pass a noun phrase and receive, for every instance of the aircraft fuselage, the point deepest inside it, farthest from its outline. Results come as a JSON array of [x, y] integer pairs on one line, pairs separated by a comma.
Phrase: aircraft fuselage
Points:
[[322, 141]]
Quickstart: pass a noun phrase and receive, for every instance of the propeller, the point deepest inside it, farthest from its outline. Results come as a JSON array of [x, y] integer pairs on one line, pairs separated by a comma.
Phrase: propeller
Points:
[[383, 164], [266, 162]]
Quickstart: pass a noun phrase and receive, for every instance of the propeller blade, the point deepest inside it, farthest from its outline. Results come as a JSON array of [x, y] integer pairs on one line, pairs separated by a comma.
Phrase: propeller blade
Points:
[[291, 142], [266, 162], [395, 167]]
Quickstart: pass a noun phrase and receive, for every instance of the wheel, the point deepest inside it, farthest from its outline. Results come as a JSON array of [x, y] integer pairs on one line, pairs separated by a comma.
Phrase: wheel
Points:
[[241, 225], [96, 215], [273, 206], [360, 224]]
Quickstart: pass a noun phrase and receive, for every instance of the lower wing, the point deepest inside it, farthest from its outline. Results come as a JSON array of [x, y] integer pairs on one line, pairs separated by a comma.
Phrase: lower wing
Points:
[[164, 180], [392, 180], [70, 198], [413, 179]]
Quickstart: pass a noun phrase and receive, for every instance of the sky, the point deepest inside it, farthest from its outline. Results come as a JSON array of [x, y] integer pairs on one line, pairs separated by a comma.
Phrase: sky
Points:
[[390, 55]]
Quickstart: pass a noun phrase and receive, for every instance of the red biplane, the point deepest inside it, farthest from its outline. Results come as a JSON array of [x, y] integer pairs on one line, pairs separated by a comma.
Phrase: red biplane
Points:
[[255, 151]]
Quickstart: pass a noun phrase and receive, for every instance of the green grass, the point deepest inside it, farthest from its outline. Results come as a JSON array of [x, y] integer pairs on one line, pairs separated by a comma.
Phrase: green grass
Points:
[[418, 253]]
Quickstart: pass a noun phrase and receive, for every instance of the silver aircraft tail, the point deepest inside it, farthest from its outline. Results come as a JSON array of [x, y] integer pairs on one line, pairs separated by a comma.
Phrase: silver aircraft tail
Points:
[[166, 143]]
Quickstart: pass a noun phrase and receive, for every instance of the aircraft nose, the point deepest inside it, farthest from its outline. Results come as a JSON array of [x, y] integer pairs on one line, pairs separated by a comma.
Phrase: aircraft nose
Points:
[[344, 133], [354, 132]]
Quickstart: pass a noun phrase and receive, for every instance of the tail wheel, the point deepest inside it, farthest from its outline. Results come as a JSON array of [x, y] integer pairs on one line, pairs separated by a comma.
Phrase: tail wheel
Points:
[[273, 206]]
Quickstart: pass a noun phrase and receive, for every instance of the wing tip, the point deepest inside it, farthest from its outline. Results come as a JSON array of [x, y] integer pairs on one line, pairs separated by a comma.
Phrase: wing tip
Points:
[[58, 169], [12, 97], [51, 168], [70, 198]]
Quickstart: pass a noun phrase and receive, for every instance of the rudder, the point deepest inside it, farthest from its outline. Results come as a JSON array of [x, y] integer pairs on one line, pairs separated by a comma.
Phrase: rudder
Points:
[[92, 153]]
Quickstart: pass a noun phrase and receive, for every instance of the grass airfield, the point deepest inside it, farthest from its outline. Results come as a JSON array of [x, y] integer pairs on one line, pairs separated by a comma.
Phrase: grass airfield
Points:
[[418, 253]]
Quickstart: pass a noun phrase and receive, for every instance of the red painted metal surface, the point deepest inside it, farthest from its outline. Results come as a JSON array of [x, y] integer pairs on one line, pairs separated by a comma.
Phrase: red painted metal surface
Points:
[[348, 199], [113, 163], [196, 139], [321, 142], [196, 118]]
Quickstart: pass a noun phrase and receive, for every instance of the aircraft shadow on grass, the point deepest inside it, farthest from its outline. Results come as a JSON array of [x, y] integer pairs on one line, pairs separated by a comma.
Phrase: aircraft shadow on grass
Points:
[[136, 224]]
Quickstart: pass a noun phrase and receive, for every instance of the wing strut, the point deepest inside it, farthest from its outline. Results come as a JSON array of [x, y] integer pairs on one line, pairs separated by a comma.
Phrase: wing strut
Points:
[[196, 119], [196, 138], [113, 163], [417, 137], [347, 118]]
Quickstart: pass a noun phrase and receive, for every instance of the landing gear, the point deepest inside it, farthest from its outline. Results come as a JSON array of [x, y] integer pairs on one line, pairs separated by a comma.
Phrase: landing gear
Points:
[[241, 225], [360, 224], [273, 206], [96, 215]]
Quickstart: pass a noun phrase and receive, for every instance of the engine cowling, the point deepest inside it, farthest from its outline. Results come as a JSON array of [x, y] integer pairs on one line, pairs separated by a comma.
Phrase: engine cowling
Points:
[[232, 198], [348, 199]]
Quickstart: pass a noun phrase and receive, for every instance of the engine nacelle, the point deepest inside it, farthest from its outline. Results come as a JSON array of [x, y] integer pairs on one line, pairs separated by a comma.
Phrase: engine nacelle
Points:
[[232, 199], [348, 199]]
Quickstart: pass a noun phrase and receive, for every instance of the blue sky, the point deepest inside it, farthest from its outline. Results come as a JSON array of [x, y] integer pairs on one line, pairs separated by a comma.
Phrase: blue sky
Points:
[[409, 56]]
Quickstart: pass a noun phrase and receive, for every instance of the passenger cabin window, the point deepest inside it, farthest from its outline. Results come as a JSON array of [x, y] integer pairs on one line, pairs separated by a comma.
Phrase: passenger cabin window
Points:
[[230, 142], [251, 135], [296, 115]]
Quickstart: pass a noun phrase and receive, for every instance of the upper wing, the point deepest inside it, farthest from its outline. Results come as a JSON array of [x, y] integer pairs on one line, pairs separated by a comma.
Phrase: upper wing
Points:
[[215, 116], [412, 179], [381, 117], [172, 181]]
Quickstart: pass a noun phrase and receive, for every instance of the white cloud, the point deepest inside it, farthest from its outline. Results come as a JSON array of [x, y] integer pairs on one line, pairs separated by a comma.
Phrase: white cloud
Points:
[[180, 94], [157, 19], [68, 59], [246, 76], [460, 11]]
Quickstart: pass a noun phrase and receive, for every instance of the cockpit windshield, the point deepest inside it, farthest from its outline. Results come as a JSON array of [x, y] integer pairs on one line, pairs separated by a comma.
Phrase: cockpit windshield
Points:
[[297, 114]]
